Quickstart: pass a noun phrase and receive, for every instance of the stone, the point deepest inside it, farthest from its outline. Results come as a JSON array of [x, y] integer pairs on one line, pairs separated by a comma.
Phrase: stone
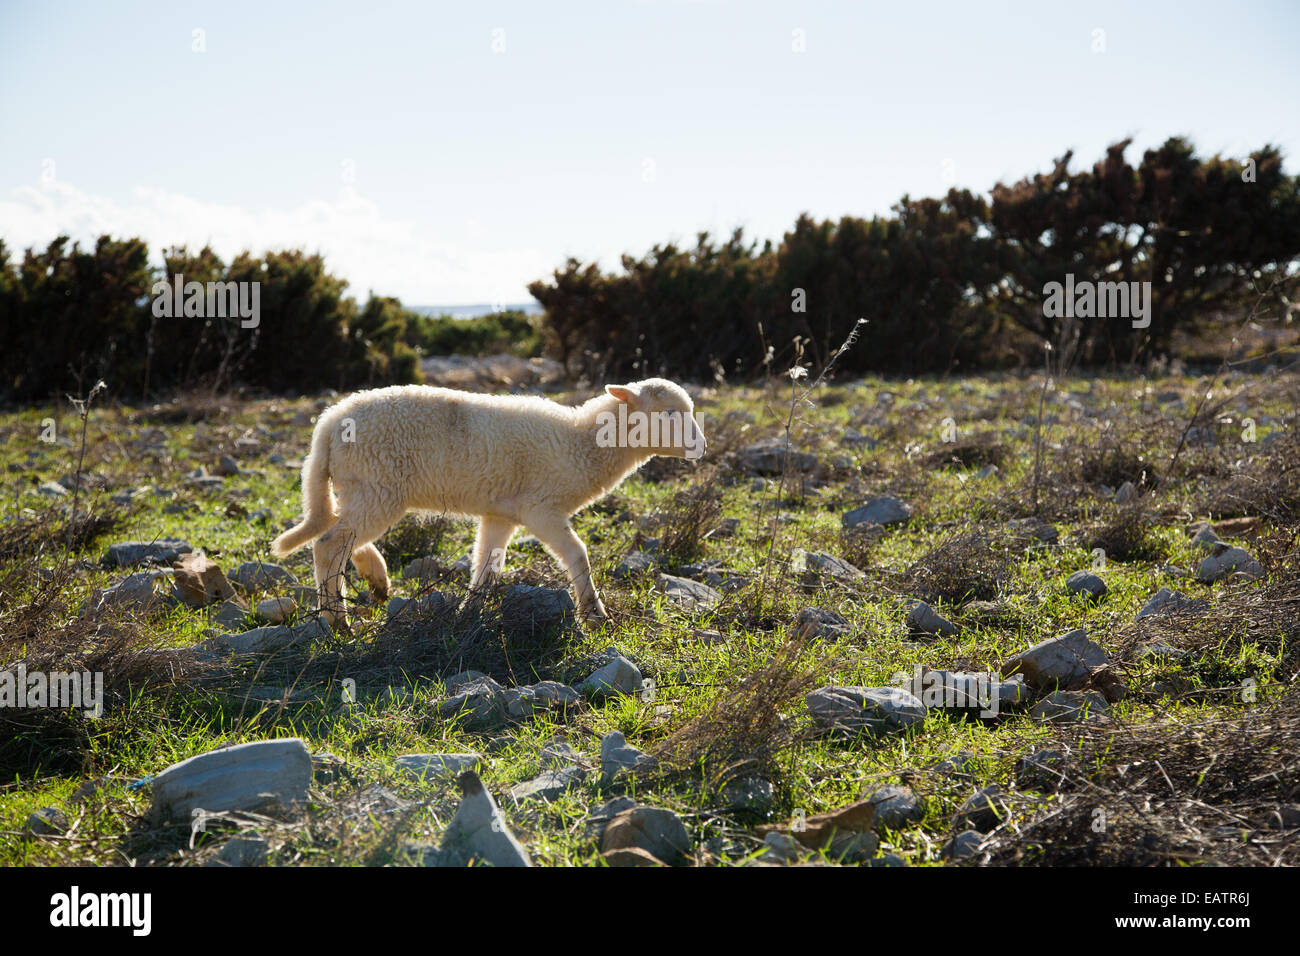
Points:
[[231, 614], [813, 566], [1166, 601], [478, 832], [962, 765], [883, 511], [47, 821], [876, 710], [923, 619], [130, 553], [227, 466], [242, 852], [769, 457], [260, 576], [983, 810], [844, 833], [52, 489], [267, 640], [425, 606], [630, 856], [1041, 770], [657, 831], [423, 569], [963, 845], [141, 591], [965, 694], [1125, 492], [749, 794], [727, 528], [277, 610], [617, 756], [549, 784], [1035, 529], [553, 694], [1205, 538], [618, 676], [1082, 583], [199, 581], [558, 753], [600, 817], [781, 848], [480, 702], [248, 776], [1063, 662], [426, 767], [525, 606], [815, 623], [895, 807], [1068, 706], [520, 702], [690, 594], [1225, 560], [634, 563]]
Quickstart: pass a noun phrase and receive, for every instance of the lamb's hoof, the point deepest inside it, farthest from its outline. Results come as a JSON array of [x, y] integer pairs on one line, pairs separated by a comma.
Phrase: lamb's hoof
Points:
[[595, 615]]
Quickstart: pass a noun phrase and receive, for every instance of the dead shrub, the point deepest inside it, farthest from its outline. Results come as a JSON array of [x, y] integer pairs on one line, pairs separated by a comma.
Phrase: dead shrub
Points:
[[1126, 536], [1172, 792], [693, 515], [972, 566], [975, 452], [743, 731]]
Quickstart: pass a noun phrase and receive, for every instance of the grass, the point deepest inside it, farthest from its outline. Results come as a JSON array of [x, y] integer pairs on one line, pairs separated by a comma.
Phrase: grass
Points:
[[721, 710]]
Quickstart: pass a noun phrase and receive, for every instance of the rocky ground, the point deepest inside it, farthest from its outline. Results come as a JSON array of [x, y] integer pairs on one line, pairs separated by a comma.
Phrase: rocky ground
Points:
[[921, 628]]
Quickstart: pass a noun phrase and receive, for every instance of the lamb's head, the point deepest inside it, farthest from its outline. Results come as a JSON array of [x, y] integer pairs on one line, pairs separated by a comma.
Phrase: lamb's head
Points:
[[656, 415]]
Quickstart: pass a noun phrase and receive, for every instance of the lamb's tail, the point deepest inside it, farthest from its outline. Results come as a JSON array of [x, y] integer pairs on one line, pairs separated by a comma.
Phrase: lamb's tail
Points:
[[317, 501]]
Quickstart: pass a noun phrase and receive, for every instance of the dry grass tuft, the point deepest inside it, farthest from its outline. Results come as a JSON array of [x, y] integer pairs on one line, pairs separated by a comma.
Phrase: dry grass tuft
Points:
[[973, 566], [1170, 793], [1125, 536], [743, 732]]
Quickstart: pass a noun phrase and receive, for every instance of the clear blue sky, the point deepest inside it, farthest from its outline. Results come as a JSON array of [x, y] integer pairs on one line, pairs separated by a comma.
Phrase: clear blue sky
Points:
[[423, 163]]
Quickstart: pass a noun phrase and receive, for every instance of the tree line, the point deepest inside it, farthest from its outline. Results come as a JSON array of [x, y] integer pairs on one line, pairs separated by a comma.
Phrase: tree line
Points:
[[951, 283]]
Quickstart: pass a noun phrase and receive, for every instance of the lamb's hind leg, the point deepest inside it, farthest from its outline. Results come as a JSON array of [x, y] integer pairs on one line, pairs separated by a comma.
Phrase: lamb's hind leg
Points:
[[490, 549], [363, 517], [553, 530], [370, 565]]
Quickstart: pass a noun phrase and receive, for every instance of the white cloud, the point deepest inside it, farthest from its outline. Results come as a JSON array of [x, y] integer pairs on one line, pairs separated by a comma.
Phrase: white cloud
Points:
[[390, 256]]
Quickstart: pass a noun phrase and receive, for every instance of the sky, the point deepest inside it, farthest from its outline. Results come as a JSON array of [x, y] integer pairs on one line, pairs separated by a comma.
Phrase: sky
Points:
[[451, 153]]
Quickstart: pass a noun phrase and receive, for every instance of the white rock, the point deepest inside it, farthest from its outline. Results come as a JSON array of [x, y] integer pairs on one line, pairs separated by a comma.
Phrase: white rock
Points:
[[243, 777], [478, 832]]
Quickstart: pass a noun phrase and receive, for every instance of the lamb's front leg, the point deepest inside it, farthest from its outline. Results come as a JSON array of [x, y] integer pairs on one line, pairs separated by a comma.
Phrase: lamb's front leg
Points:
[[490, 549], [554, 532]]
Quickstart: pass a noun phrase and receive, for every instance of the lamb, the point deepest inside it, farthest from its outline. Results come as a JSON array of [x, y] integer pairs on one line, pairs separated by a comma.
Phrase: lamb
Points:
[[506, 460]]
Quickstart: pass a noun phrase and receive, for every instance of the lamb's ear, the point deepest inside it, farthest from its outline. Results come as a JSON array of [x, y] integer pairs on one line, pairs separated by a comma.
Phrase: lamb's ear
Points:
[[624, 393]]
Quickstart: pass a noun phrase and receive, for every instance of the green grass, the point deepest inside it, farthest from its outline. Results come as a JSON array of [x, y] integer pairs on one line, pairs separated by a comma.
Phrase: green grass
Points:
[[143, 733]]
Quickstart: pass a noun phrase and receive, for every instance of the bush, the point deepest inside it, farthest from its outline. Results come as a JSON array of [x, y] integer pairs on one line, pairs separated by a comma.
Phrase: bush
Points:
[[947, 283], [511, 331], [72, 317]]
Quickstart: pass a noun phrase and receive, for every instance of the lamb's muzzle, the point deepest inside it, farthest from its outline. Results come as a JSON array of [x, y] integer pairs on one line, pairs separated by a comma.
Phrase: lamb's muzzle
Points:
[[507, 460]]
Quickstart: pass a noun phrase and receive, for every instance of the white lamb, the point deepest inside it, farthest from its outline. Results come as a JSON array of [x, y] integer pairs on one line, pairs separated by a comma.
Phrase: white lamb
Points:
[[507, 460]]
